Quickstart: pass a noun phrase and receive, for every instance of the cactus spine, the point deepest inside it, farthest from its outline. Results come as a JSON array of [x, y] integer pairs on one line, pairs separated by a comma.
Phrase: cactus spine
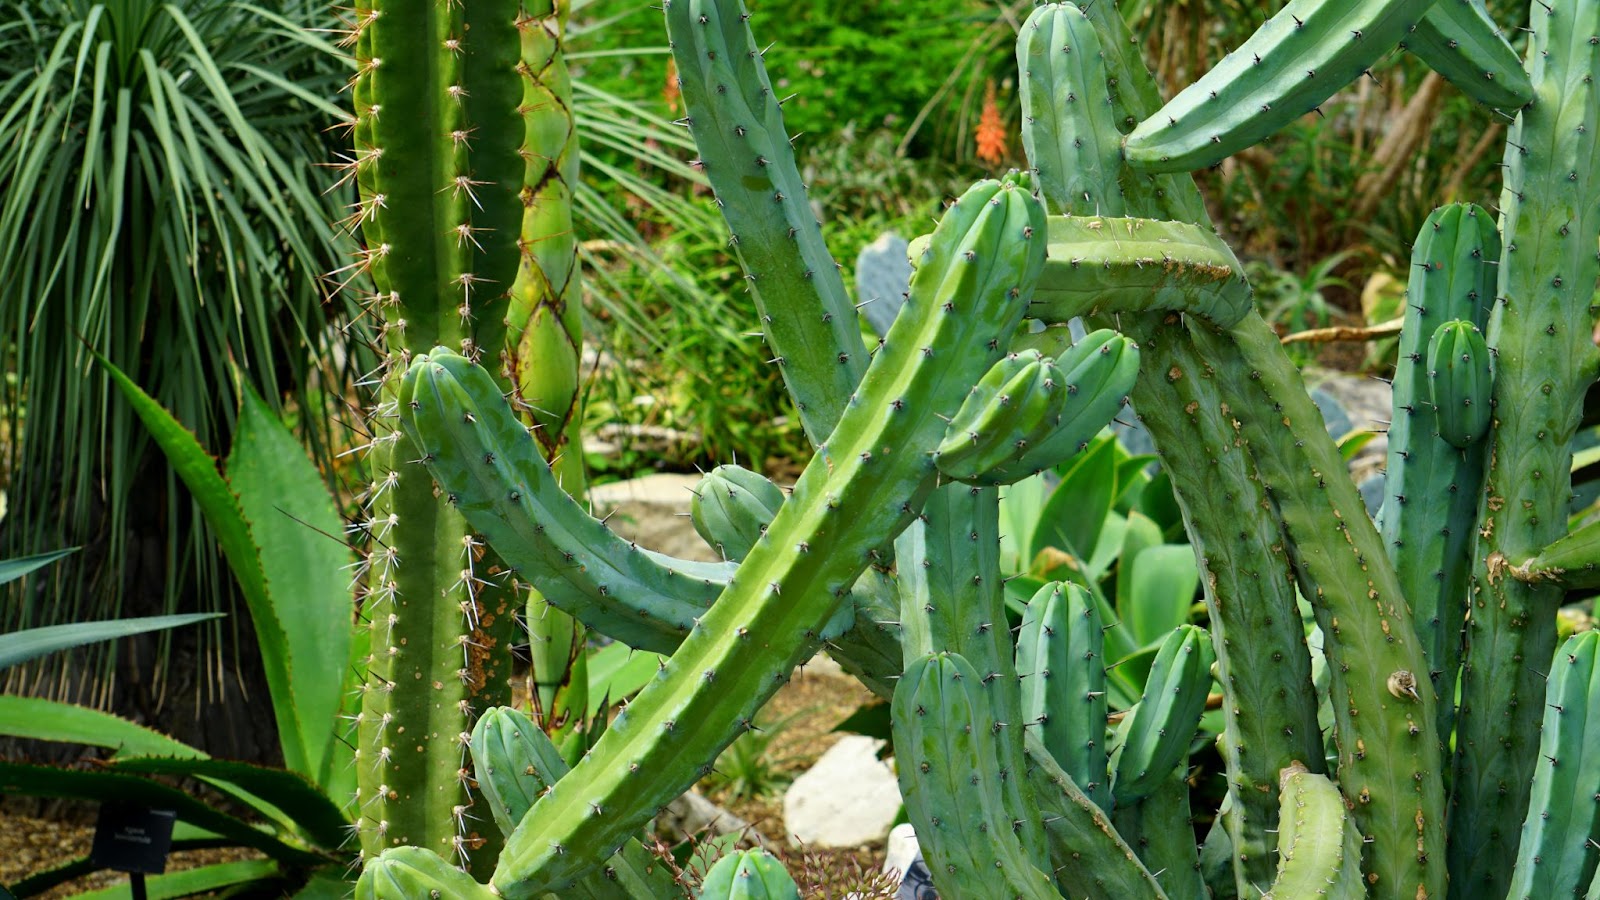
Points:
[[1432, 487], [1545, 361], [544, 324], [438, 132]]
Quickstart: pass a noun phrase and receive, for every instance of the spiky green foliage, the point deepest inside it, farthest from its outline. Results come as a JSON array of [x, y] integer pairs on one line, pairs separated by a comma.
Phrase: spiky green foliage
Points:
[[1545, 361], [155, 209]]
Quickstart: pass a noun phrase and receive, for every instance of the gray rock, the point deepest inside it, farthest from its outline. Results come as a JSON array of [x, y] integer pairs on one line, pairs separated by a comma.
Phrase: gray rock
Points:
[[692, 815], [849, 798], [883, 275]]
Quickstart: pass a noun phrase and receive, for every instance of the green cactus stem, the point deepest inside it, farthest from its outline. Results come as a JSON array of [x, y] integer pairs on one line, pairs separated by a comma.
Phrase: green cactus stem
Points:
[[1061, 663], [1460, 383], [1102, 265], [1432, 488], [1293, 62], [516, 763], [952, 600], [748, 875], [438, 131], [954, 787], [1071, 139], [1018, 402], [406, 873], [866, 482], [732, 507], [733, 113], [544, 327], [1545, 361], [1560, 846], [1572, 562], [1157, 731], [1458, 39], [1319, 847], [1390, 768], [1160, 828]]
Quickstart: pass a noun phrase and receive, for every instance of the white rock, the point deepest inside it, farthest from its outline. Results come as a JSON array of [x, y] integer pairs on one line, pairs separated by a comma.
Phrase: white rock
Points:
[[849, 798]]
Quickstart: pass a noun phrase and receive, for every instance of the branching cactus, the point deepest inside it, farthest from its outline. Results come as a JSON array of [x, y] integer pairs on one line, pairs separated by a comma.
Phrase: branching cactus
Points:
[[886, 551]]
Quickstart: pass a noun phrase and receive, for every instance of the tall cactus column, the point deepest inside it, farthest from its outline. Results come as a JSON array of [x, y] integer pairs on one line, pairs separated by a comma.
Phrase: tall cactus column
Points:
[[439, 137], [1546, 360], [544, 325]]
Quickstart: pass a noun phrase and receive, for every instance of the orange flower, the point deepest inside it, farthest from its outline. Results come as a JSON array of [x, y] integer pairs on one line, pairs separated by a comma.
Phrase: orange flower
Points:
[[991, 130], [670, 91]]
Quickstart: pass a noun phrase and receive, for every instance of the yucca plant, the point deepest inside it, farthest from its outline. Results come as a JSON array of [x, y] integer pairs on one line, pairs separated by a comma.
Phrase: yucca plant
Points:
[[158, 206]]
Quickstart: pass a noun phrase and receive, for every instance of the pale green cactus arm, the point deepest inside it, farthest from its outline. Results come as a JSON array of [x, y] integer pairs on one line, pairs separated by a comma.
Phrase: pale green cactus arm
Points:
[[1459, 40], [1319, 848]]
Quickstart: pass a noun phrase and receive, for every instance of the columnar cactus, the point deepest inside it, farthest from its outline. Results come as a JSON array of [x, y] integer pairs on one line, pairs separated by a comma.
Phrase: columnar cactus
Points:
[[1545, 361], [439, 126]]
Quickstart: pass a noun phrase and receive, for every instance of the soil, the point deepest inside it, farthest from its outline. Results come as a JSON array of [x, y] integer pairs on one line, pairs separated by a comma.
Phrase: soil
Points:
[[814, 702]]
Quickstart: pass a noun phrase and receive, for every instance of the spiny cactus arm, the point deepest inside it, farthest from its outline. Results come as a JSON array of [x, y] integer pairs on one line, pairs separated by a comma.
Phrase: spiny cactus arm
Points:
[[438, 129], [1160, 828], [491, 469], [864, 486], [871, 650], [1263, 666], [1069, 134], [1545, 361], [1385, 727], [806, 315], [952, 600], [1158, 730], [1061, 663], [406, 873], [1460, 383], [516, 763], [1091, 858], [1431, 488], [1572, 562], [954, 787], [1294, 61], [1096, 376], [1319, 847], [751, 874], [1458, 39], [1103, 265], [1560, 846], [731, 508]]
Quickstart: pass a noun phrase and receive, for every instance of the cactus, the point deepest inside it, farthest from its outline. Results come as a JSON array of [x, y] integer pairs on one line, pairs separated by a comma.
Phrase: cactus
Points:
[[516, 763], [866, 481], [544, 327], [1161, 830], [1432, 486], [1573, 561], [1138, 265], [748, 875], [1294, 61], [1560, 846], [1071, 141], [1017, 402], [441, 218], [1156, 733], [954, 786], [1459, 383], [1318, 845], [1097, 375], [1061, 662], [1544, 362], [732, 508], [405, 873], [1457, 39]]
